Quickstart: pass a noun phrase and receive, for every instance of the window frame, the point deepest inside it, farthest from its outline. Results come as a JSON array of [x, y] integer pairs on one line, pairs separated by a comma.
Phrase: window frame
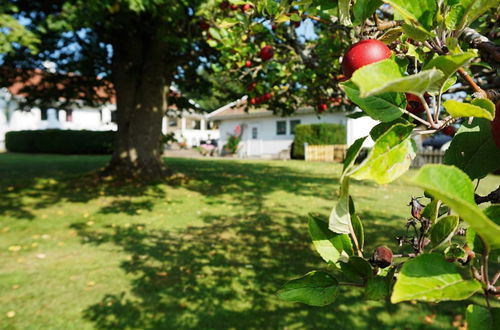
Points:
[[292, 127], [278, 122]]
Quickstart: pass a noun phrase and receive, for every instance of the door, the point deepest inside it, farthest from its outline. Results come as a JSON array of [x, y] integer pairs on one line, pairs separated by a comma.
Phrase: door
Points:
[[254, 142]]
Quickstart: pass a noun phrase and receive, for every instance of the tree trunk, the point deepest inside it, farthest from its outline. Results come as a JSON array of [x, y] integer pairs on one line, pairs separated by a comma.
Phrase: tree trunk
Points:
[[141, 81]]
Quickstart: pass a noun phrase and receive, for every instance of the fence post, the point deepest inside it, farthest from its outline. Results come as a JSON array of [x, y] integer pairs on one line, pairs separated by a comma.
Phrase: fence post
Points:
[[305, 150]]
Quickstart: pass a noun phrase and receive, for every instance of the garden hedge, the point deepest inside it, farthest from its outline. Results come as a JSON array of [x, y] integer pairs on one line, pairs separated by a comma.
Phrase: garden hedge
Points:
[[60, 141], [317, 134]]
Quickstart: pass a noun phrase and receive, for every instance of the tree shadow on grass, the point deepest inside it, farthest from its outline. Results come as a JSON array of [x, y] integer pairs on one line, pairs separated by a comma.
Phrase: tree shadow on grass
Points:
[[224, 275], [32, 182]]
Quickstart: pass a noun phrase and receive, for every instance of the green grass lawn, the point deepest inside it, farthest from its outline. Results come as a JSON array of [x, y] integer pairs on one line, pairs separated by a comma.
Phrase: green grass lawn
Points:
[[207, 251]]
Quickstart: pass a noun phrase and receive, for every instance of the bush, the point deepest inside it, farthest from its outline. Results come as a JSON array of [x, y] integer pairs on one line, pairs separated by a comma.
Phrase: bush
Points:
[[60, 141], [317, 134]]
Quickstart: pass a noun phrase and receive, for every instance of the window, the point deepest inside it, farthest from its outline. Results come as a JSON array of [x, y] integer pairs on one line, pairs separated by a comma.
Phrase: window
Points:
[[69, 115], [281, 127], [294, 123], [172, 122], [44, 114], [255, 133], [114, 116], [197, 124]]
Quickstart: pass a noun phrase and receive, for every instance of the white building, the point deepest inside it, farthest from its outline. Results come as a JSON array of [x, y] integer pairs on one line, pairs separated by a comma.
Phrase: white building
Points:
[[265, 134], [189, 127]]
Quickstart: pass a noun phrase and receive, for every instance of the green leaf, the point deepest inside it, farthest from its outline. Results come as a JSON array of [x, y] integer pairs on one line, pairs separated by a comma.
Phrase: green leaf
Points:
[[473, 241], [228, 22], [391, 35], [429, 277], [431, 211], [478, 318], [352, 153], [443, 230], [417, 33], [389, 158], [454, 188], [363, 9], [358, 229], [344, 12], [357, 268], [473, 149], [377, 288], [448, 64], [340, 218], [316, 288], [328, 244], [384, 107], [479, 109], [454, 16], [385, 76], [474, 9], [418, 13], [493, 212], [379, 129]]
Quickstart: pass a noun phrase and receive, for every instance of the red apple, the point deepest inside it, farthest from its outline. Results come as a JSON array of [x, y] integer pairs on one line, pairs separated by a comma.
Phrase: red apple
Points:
[[274, 27], [296, 24], [233, 6], [363, 53], [266, 97], [266, 53], [251, 86], [413, 104], [253, 100], [322, 107], [246, 7], [495, 125], [204, 26], [449, 130], [248, 64]]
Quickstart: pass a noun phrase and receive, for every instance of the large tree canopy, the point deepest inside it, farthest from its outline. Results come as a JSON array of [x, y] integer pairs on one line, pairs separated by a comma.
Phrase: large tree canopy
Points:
[[140, 47]]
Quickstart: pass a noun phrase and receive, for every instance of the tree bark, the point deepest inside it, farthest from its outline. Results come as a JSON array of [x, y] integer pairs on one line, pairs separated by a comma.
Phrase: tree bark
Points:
[[141, 80]]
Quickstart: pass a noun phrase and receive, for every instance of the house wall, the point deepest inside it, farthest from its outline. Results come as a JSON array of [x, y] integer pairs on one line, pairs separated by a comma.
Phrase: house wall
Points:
[[360, 127], [184, 131], [268, 143], [82, 118]]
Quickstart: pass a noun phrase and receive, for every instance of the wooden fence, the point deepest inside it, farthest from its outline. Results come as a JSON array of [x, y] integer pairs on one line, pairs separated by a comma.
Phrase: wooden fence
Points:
[[427, 157], [325, 153], [337, 153]]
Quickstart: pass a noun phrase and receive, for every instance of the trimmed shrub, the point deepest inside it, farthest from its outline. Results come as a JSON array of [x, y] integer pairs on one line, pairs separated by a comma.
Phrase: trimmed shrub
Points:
[[315, 134], [60, 141]]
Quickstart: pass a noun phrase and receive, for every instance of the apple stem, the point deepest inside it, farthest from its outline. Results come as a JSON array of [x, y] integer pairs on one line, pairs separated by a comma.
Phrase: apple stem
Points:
[[427, 112], [437, 106], [426, 123]]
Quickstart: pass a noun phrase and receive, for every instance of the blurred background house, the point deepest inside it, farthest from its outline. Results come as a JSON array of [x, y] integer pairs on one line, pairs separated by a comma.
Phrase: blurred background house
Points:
[[266, 135], [190, 126]]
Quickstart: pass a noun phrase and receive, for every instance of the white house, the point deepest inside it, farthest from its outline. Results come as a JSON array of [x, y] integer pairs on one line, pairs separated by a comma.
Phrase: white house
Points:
[[189, 127], [265, 134]]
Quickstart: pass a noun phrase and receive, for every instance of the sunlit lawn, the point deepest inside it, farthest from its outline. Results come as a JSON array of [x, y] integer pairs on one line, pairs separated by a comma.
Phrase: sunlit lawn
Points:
[[207, 251]]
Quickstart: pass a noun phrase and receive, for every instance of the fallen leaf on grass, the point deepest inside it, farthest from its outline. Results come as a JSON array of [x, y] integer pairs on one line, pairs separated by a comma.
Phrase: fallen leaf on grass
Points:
[[14, 248], [11, 314], [41, 256]]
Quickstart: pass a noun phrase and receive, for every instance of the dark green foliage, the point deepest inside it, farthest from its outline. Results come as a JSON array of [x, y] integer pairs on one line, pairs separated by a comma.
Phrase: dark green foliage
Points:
[[232, 144], [317, 134], [60, 141]]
